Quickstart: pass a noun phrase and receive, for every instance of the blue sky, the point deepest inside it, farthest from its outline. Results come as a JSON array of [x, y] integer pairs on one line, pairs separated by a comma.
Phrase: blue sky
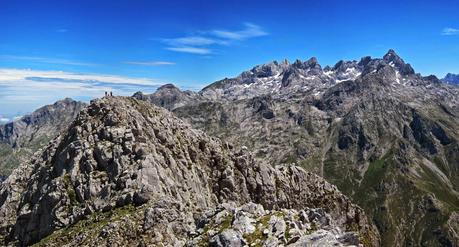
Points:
[[81, 48]]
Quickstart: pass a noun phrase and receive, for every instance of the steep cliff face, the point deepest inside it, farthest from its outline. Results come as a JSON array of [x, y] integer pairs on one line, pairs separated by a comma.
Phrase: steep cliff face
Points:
[[21, 138], [128, 173], [388, 137]]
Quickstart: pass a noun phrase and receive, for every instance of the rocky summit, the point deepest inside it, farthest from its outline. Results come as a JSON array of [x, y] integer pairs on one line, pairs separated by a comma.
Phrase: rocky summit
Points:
[[21, 138], [451, 78], [126, 173], [387, 136]]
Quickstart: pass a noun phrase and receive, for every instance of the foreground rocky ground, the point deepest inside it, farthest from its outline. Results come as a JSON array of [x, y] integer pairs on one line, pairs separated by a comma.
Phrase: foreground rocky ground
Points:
[[128, 173]]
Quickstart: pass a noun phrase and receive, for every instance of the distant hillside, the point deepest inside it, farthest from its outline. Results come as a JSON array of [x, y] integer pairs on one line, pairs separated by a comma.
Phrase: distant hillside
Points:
[[21, 138]]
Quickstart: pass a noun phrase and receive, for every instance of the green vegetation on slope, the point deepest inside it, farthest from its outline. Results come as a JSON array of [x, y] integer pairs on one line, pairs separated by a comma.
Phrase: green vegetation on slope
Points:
[[91, 226]]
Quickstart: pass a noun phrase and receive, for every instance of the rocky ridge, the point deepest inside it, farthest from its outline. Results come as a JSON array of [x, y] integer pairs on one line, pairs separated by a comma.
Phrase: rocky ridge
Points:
[[451, 78], [126, 172], [21, 138], [387, 136]]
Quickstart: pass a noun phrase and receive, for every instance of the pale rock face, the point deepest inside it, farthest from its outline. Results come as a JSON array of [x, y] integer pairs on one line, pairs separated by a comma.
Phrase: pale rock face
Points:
[[142, 168]]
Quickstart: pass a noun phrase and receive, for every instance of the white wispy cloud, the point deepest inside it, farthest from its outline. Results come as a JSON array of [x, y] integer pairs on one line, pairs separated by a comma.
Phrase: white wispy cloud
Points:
[[47, 60], [4, 120], [8, 76], [23, 90], [190, 49], [194, 41], [250, 31], [205, 42], [149, 63], [450, 31]]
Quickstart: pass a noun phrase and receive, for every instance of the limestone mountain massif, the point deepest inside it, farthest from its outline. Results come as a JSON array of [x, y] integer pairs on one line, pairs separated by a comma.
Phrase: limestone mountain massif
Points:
[[21, 138], [384, 134], [127, 173]]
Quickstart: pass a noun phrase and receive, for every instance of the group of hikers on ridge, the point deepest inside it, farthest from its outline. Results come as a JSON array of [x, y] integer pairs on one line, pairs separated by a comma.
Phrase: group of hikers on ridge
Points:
[[108, 94]]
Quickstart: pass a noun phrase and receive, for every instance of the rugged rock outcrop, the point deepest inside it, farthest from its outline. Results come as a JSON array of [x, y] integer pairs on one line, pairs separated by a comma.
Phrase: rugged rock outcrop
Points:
[[128, 173], [451, 78], [386, 136], [169, 97], [21, 138]]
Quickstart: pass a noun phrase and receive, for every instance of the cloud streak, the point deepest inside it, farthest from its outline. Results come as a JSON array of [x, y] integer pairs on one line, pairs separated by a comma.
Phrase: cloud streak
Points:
[[149, 63], [450, 31], [250, 31], [205, 42], [26, 90], [190, 49], [47, 60], [194, 41], [4, 120], [8, 76]]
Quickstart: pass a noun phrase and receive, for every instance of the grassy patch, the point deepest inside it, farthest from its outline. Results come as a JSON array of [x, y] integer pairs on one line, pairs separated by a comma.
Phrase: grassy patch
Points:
[[226, 223], [70, 190], [89, 227], [261, 224]]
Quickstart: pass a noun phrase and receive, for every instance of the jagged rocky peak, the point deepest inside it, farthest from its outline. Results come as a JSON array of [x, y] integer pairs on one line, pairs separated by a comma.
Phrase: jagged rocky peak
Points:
[[21, 138], [394, 60], [364, 61], [168, 96], [168, 86], [131, 173], [266, 70], [451, 78], [284, 78], [433, 79], [50, 117], [310, 64]]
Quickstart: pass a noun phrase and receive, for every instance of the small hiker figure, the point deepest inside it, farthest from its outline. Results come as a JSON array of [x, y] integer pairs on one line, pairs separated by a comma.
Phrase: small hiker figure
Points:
[[111, 94], [106, 94]]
